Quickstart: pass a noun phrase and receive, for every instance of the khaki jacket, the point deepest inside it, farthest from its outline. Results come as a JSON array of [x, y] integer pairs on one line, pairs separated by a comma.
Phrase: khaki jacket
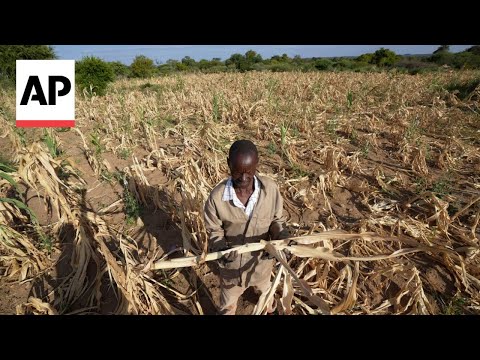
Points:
[[229, 226]]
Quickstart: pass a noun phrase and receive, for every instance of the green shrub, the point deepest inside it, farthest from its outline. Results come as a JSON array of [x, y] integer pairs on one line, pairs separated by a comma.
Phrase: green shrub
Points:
[[119, 68], [323, 64], [280, 67], [466, 60], [344, 64], [93, 74], [217, 69], [142, 67], [384, 57], [475, 50], [414, 66]]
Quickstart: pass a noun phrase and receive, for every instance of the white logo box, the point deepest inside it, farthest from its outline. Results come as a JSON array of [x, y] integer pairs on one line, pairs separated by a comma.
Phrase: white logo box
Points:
[[34, 113]]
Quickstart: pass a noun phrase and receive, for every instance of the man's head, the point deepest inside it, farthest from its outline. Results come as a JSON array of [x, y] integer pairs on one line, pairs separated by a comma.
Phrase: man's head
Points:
[[242, 161]]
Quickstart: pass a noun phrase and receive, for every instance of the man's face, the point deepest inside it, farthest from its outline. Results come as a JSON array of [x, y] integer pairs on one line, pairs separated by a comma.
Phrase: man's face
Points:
[[242, 169]]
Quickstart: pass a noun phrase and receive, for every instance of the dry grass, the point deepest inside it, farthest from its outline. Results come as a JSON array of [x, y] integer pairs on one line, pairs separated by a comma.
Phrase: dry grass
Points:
[[393, 155]]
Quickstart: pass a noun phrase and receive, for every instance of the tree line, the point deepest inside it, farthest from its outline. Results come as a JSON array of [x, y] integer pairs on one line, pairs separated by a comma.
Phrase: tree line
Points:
[[380, 60], [94, 72]]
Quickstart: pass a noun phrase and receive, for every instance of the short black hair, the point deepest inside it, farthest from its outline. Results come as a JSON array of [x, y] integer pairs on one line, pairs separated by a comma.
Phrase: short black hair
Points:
[[242, 147]]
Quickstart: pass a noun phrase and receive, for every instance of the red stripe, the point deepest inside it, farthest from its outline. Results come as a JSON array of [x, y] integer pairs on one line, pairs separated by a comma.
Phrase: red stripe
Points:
[[46, 123]]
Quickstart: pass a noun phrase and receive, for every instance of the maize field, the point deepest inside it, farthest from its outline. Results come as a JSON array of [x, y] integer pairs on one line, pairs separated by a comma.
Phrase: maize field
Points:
[[379, 172]]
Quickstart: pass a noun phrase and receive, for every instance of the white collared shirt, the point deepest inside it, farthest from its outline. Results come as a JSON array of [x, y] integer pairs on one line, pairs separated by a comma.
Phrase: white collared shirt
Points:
[[229, 194]]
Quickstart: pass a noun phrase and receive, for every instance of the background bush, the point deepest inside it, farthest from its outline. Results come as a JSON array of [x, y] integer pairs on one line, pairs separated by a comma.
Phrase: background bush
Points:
[[94, 75], [142, 67]]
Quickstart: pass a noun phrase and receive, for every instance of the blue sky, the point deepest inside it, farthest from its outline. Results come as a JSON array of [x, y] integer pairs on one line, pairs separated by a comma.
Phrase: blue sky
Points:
[[161, 53]]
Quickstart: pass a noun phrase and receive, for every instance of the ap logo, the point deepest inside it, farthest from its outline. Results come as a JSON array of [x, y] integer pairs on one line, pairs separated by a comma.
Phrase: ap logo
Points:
[[45, 93]]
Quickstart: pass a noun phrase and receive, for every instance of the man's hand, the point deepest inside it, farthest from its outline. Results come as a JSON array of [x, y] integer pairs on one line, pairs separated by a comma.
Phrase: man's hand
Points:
[[274, 231], [228, 258], [278, 231]]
